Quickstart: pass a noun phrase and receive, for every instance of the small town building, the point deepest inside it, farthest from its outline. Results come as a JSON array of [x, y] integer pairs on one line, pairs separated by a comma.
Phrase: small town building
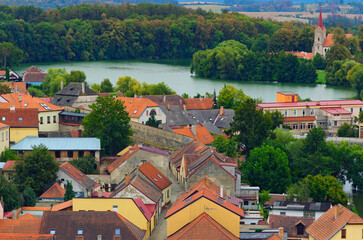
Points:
[[8, 169], [203, 197], [83, 186], [34, 76], [16, 86], [23, 122], [54, 194], [13, 76], [199, 103], [197, 132], [64, 206], [71, 121], [133, 209], [249, 195], [337, 223], [4, 136], [89, 225], [294, 226], [63, 149], [35, 211], [300, 209]]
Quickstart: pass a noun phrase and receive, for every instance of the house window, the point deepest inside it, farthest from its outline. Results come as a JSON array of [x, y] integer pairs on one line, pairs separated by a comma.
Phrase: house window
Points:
[[52, 231], [70, 154], [80, 231], [295, 112], [329, 123], [283, 213], [167, 193], [285, 113], [41, 120], [3, 119], [20, 119], [318, 39], [2, 137], [245, 202], [6, 134], [303, 126], [360, 109], [57, 154], [152, 112], [118, 232], [48, 119], [162, 197], [312, 112], [115, 208], [310, 125], [300, 229], [303, 112], [54, 119], [344, 233], [80, 153], [295, 126], [351, 110], [335, 123]]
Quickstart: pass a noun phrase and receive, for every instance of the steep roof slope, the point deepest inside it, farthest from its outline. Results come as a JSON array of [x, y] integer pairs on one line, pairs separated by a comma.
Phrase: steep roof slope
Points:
[[55, 191], [77, 175], [154, 175], [136, 106]]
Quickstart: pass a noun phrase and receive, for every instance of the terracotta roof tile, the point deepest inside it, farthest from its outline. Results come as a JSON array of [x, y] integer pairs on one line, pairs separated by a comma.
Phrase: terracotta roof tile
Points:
[[304, 55], [55, 191], [34, 77], [199, 103], [203, 227], [20, 100], [28, 117], [32, 69], [136, 106], [35, 209], [154, 175], [274, 237], [194, 147], [202, 134], [337, 110], [327, 225], [15, 236], [16, 86], [329, 41], [62, 206], [25, 225], [29, 216], [115, 164], [77, 175], [164, 100], [9, 165], [289, 223]]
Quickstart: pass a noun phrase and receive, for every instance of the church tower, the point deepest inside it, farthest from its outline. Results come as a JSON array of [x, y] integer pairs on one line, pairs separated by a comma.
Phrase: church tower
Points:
[[319, 37]]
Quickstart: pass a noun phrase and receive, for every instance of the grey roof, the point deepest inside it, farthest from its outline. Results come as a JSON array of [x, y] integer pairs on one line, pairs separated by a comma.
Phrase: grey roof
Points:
[[85, 144], [69, 94], [67, 113], [212, 116], [212, 128], [61, 100], [176, 116], [164, 100], [260, 235], [303, 206]]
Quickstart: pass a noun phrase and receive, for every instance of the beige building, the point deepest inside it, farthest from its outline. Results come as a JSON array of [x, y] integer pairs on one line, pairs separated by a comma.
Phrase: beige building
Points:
[[4, 137]]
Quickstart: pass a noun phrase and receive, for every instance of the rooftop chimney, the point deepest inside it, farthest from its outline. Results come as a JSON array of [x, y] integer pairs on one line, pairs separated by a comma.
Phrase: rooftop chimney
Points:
[[62, 84], [84, 87], [221, 110], [194, 130], [337, 211], [164, 98], [168, 106], [281, 233], [127, 178], [221, 192], [20, 98]]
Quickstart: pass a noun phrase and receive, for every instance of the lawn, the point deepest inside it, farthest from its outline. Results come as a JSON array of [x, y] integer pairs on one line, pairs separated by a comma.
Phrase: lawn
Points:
[[321, 76]]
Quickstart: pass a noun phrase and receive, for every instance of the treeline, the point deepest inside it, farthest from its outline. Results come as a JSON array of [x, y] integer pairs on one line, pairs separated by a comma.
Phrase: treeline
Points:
[[232, 60], [101, 32]]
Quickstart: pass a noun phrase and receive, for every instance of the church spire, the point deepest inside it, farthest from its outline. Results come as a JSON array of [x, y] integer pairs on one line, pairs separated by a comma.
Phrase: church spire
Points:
[[320, 24]]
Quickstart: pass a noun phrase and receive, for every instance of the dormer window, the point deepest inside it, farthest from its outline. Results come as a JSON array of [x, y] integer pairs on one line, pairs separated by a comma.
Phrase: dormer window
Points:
[[118, 232], [52, 231], [80, 231]]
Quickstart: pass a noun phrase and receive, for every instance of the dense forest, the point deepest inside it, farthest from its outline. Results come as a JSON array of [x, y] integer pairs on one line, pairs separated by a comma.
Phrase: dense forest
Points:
[[98, 32]]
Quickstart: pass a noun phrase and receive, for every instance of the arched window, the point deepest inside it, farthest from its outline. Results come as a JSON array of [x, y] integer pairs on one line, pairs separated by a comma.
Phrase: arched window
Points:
[[152, 112]]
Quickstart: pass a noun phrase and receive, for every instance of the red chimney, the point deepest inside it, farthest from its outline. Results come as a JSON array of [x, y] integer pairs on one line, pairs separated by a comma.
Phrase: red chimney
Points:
[[320, 24]]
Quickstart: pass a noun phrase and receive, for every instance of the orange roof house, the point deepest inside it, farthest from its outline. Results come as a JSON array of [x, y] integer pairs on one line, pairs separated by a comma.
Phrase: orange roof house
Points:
[[55, 192], [203, 227], [199, 199], [27, 224], [338, 223], [64, 206], [197, 132], [329, 41], [16, 86], [199, 103]]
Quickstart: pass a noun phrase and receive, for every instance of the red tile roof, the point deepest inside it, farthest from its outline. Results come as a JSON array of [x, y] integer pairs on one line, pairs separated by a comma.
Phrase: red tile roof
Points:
[[203, 227], [26, 236], [2, 125], [136, 106], [115, 164], [9, 165], [338, 111], [155, 176], [204, 188], [34, 77], [62, 206], [289, 224], [16, 86], [77, 175], [55, 191], [32, 69], [304, 55], [35, 209], [23, 225], [145, 210], [202, 134], [20, 100], [276, 198], [28, 216], [199, 103], [28, 116], [327, 225], [325, 103], [329, 41]]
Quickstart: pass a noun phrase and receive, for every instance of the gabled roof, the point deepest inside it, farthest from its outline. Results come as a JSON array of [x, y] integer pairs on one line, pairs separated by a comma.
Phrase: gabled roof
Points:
[[16, 86], [62, 206], [324, 103], [154, 175], [329, 41], [327, 225], [136, 106], [150, 191], [336, 111], [34, 77], [22, 225], [75, 89], [77, 175], [32, 69], [199, 103], [83, 144], [203, 227], [164, 100], [9, 165], [20, 117], [144, 208], [93, 224], [55, 191], [212, 116], [27, 236], [202, 134], [289, 223], [202, 189], [20, 100], [192, 148], [302, 206]]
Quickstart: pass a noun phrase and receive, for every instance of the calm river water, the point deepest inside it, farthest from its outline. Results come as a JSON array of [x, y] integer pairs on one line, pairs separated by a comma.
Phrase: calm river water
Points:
[[176, 73]]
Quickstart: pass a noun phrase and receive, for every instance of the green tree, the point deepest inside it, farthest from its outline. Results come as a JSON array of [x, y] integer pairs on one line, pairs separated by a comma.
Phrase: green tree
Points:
[[128, 86], [299, 192], [250, 126], [35, 92], [264, 196], [53, 79], [315, 140], [30, 198], [268, 168], [319, 62], [337, 52], [152, 122], [106, 86], [75, 76], [357, 81], [85, 164], [96, 87], [69, 195], [275, 117], [227, 146], [348, 130], [10, 55], [109, 122], [4, 89], [229, 97], [8, 154], [10, 194], [306, 73], [36, 169]]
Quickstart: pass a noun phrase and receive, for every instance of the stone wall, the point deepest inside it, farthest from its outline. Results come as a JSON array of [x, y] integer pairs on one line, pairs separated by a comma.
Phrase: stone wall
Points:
[[158, 138]]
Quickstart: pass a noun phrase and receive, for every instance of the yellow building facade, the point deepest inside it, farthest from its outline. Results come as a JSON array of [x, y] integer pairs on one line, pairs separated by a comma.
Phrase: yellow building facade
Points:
[[223, 216], [48, 121], [348, 232], [4, 137], [126, 207], [17, 134]]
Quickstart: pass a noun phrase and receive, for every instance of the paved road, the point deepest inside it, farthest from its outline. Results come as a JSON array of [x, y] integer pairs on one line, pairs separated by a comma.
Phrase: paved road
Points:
[[159, 232]]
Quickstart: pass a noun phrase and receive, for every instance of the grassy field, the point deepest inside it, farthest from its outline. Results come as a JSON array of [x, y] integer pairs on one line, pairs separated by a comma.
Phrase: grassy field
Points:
[[321, 76]]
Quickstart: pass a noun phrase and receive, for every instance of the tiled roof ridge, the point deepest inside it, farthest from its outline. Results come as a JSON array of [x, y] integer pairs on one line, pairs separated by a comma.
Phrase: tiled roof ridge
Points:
[[124, 220], [121, 159], [136, 177], [148, 168], [55, 185]]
